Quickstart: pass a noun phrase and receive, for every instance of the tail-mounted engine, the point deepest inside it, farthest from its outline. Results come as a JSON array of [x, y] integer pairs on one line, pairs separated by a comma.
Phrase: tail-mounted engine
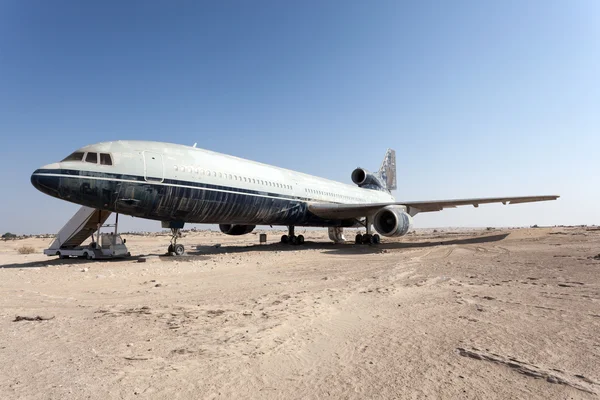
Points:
[[364, 178], [384, 179], [236, 230], [392, 221]]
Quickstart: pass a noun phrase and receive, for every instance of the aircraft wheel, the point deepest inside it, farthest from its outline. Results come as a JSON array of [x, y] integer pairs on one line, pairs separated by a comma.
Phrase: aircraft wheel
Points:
[[285, 239], [170, 249], [366, 239], [293, 239], [87, 256], [300, 239], [179, 249], [358, 239], [376, 239]]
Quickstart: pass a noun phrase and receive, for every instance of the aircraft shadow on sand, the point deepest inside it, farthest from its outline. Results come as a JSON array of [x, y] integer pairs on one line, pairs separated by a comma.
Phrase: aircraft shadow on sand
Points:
[[331, 248], [347, 248]]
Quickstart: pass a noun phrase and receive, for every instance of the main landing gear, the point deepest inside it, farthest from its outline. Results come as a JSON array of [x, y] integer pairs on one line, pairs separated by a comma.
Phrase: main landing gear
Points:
[[367, 238], [291, 238], [178, 249]]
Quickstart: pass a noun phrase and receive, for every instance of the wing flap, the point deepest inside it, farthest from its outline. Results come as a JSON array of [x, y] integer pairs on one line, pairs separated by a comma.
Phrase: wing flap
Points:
[[346, 211]]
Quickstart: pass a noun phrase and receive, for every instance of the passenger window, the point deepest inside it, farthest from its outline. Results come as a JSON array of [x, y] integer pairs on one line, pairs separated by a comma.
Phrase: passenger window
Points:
[[77, 156], [92, 158], [105, 159]]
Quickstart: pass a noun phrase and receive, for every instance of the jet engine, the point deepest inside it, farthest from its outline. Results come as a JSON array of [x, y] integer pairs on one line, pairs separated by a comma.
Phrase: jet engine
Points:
[[236, 230], [364, 178], [392, 221]]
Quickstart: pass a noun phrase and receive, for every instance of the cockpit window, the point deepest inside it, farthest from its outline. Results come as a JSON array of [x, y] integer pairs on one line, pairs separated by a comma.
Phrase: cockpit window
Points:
[[105, 159], [92, 158], [77, 156]]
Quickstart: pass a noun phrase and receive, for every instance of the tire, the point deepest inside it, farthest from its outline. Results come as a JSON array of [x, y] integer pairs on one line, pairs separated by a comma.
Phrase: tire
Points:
[[87, 256], [285, 239], [293, 239], [170, 249], [179, 250], [300, 239], [367, 238], [376, 239], [358, 239]]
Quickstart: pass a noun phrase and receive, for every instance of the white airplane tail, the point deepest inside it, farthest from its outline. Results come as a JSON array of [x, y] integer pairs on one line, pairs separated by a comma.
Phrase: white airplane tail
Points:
[[387, 171]]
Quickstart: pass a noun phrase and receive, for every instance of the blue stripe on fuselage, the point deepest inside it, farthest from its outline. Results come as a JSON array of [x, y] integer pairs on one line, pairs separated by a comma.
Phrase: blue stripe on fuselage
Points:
[[104, 175], [179, 200]]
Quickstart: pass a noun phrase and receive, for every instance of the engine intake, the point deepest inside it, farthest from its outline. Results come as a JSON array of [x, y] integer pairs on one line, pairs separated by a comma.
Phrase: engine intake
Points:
[[236, 230], [359, 176], [392, 221], [364, 178]]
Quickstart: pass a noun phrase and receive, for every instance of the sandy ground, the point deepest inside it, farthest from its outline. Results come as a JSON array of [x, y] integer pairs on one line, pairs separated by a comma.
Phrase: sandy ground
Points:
[[464, 314]]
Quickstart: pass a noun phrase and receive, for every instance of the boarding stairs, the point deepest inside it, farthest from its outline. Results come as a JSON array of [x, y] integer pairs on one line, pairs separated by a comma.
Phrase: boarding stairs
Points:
[[81, 226]]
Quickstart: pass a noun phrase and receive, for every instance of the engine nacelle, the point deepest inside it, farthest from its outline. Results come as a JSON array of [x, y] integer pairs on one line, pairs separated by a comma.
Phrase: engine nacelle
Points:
[[363, 178], [236, 230], [392, 221]]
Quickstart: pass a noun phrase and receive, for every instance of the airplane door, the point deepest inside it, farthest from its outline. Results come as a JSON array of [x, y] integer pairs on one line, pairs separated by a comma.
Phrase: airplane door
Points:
[[153, 167]]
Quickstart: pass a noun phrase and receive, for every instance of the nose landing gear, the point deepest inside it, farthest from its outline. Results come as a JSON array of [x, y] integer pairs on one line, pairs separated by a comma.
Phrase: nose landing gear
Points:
[[175, 248]]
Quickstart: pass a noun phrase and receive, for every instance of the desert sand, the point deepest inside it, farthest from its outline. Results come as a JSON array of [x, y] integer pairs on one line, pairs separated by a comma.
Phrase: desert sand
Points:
[[474, 314]]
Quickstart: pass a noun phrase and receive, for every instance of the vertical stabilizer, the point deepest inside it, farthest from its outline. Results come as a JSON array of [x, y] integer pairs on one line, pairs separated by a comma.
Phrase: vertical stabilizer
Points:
[[387, 172]]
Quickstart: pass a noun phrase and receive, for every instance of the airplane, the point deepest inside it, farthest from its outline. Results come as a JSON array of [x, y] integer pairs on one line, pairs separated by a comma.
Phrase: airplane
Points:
[[178, 184]]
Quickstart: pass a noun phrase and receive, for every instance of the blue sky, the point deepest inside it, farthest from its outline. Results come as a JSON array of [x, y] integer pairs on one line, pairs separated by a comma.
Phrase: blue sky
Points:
[[478, 98]]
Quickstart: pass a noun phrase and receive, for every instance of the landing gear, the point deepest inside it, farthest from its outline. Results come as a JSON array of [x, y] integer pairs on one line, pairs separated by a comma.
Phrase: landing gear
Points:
[[175, 248], [179, 249], [291, 238], [367, 238]]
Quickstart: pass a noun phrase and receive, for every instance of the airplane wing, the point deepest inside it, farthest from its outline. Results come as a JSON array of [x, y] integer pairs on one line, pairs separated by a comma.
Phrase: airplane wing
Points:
[[343, 211]]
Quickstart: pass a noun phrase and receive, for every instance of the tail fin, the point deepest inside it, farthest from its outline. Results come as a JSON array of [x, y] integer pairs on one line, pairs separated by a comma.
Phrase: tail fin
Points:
[[387, 171]]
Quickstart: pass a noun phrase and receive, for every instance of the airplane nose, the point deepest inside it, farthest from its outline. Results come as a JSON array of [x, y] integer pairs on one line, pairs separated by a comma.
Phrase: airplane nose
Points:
[[44, 180], [52, 166]]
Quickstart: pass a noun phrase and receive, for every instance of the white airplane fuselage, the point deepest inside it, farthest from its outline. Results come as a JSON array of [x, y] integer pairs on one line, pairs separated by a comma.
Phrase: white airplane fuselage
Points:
[[170, 182]]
